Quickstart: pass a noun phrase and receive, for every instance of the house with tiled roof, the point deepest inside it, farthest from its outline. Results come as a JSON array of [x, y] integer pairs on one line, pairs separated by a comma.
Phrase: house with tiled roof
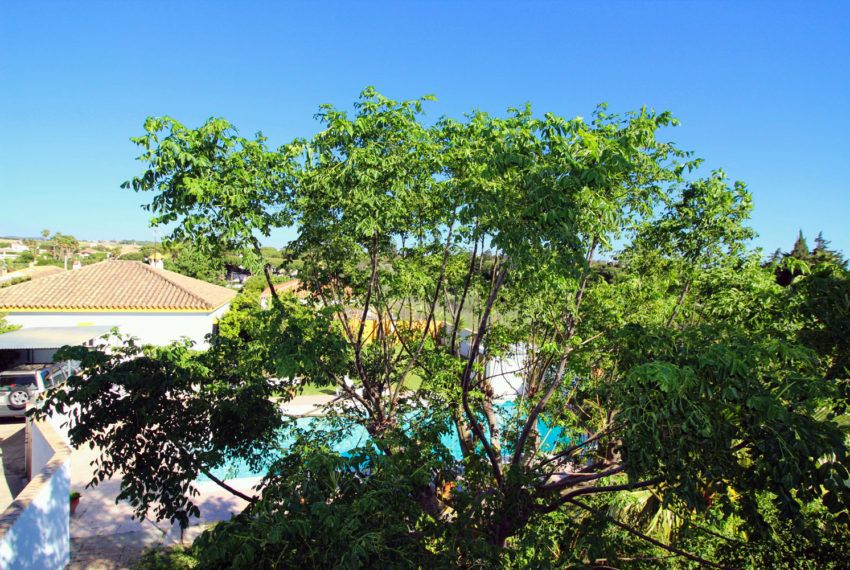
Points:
[[155, 305]]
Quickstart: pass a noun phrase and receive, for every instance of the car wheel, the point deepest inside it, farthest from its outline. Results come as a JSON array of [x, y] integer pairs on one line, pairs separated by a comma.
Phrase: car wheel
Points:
[[17, 399]]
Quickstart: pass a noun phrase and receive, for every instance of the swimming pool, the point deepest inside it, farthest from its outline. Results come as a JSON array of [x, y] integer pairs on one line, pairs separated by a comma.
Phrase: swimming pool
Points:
[[358, 436]]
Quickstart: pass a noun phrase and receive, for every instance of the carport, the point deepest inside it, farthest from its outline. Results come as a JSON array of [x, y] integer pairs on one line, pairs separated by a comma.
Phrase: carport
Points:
[[38, 344]]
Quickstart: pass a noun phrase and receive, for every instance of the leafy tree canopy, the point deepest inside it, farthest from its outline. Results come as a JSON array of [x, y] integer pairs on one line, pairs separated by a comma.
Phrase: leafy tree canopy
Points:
[[677, 407]]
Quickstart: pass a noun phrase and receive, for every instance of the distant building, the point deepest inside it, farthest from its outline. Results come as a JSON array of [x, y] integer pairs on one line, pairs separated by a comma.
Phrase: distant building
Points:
[[236, 274], [155, 305]]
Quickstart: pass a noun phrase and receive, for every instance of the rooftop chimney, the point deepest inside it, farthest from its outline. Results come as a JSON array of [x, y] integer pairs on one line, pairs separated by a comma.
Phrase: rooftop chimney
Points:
[[155, 260]]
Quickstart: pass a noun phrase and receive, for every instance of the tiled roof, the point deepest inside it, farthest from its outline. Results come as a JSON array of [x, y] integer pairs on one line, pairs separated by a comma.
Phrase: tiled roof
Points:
[[115, 286]]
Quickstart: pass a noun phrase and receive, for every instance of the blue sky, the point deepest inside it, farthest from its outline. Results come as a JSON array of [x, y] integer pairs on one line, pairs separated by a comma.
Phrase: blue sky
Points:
[[762, 89]]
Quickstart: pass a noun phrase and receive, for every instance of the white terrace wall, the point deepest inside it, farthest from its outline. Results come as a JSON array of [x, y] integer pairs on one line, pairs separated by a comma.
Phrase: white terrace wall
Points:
[[151, 328], [35, 528], [506, 373]]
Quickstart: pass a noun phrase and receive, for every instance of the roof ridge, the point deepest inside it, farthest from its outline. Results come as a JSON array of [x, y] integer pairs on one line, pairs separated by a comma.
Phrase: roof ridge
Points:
[[116, 284], [161, 273]]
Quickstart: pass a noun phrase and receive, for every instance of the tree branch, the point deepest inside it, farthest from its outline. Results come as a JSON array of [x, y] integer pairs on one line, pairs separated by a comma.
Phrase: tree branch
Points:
[[531, 421], [466, 283], [637, 533], [414, 358], [227, 487], [464, 381]]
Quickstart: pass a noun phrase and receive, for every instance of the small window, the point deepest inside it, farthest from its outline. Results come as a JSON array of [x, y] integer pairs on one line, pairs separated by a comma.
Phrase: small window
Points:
[[58, 378], [215, 328]]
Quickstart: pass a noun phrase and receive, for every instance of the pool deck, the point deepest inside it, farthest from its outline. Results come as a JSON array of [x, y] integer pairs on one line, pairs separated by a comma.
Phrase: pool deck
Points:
[[104, 536], [12, 460], [306, 405]]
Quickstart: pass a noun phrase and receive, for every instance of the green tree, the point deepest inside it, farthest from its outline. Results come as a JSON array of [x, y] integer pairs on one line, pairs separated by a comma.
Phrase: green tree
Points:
[[801, 248], [191, 261], [822, 253], [5, 326], [32, 246], [62, 245], [682, 375]]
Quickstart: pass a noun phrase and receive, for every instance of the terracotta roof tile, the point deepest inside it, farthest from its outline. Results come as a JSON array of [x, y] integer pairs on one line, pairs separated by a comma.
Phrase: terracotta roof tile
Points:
[[115, 285]]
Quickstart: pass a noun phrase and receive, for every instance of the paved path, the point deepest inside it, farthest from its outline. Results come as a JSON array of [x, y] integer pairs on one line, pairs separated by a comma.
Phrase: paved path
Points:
[[14, 473], [306, 405], [104, 536]]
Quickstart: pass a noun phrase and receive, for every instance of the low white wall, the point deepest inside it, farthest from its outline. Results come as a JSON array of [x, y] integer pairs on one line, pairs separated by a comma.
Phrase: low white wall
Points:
[[151, 328], [40, 449], [35, 528], [61, 424]]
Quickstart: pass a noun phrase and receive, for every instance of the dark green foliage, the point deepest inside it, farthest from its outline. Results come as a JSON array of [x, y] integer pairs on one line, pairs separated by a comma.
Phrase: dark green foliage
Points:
[[801, 248], [696, 405], [822, 303], [719, 401], [185, 416], [321, 511]]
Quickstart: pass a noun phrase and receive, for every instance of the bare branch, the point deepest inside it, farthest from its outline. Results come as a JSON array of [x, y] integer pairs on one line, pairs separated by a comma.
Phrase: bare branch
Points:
[[579, 479], [227, 487], [459, 310], [415, 357], [464, 381]]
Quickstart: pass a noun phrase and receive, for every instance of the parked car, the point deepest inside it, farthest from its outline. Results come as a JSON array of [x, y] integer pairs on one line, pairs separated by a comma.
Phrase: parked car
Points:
[[24, 383]]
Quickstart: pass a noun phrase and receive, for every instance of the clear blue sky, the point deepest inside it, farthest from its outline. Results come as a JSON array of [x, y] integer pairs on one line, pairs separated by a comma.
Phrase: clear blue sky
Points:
[[761, 88]]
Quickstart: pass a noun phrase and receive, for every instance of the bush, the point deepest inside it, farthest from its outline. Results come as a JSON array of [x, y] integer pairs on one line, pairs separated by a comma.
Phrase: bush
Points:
[[175, 558], [14, 281]]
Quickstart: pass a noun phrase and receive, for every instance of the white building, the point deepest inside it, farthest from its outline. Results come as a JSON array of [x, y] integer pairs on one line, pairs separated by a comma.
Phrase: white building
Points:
[[155, 305], [506, 373]]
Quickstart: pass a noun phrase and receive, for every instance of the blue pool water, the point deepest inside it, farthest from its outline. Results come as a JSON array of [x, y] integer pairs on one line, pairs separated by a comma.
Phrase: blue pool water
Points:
[[358, 436]]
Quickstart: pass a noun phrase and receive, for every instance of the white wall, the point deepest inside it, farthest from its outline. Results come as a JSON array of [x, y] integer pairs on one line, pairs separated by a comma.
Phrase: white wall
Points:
[[507, 373], [40, 537], [152, 328], [40, 449]]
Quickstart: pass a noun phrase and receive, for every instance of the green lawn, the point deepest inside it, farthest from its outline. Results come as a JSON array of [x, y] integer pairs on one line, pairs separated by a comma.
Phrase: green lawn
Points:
[[315, 390]]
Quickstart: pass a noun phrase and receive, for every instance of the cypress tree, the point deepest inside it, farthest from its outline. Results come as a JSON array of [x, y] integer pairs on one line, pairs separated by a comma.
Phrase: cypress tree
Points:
[[801, 248]]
